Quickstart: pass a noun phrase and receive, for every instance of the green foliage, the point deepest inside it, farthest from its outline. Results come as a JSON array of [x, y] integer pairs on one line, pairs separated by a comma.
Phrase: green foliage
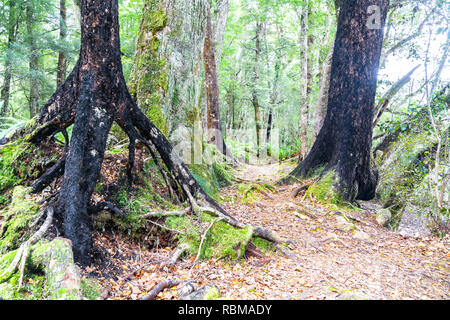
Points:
[[90, 288], [33, 288]]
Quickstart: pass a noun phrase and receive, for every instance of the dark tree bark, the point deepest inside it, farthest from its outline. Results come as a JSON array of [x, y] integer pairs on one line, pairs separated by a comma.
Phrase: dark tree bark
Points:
[[343, 144]]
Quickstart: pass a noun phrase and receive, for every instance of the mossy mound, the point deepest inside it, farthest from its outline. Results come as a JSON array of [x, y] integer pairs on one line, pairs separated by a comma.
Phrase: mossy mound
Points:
[[212, 177], [13, 167], [324, 190], [17, 216], [50, 273], [222, 239], [249, 190], [33, 287]]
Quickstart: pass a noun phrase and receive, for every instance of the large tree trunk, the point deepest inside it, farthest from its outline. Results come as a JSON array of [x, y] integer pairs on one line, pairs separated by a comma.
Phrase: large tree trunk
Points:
[[166, 80], [100, 97], [219, 26], [344, 142], [215, 135]]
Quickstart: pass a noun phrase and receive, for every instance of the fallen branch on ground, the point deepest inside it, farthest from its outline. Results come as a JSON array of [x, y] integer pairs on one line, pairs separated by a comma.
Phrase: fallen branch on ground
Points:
[[160, 287]]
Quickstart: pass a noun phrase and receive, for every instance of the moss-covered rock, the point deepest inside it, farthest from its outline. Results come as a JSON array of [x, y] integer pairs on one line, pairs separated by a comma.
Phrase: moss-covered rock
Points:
[[55, 258], [383, 216], [208, 292]]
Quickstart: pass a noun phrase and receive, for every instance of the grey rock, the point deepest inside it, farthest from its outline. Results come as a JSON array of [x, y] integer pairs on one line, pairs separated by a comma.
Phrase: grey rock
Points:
[[208, 292], [383, 217], [414, 222]]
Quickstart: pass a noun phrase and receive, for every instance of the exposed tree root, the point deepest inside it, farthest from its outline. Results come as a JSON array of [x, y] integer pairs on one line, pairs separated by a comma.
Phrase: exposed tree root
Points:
[[202, 240], [106, 205], [179, 251], [160, 287], [167, 213], [296, 191]]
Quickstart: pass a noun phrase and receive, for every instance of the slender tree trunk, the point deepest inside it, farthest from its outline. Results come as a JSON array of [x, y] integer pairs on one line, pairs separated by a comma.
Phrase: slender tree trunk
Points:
[[34, 61], [306, 82], [344, 142], [255, 99], [11, 39], [274, 95], [322, 101], [62, 61]]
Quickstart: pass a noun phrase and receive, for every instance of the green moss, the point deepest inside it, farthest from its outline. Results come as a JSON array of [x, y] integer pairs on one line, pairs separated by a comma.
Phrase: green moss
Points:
[[264, 245], [16, 218], [213, 293], [148, 82], [249, 190], [33, 286], [223, 174], [90, 288], [324, 190], [222, 240], [205, 177], [13, 170]]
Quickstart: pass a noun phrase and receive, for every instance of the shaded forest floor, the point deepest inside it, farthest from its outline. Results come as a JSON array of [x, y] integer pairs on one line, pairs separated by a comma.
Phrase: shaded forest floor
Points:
[[335, 256]]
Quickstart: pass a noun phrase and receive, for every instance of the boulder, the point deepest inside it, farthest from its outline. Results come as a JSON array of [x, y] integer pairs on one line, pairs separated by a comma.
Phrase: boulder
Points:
[[383, 216], [414, 222], [207, 292]]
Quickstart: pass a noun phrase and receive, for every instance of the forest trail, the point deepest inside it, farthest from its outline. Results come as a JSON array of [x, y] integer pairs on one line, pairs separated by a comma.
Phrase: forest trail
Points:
[[334, 258]]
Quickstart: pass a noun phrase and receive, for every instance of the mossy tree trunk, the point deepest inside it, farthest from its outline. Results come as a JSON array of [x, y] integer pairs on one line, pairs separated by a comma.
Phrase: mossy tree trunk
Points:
[[34, 60], [215, 135], [167, 75], [344, 142]]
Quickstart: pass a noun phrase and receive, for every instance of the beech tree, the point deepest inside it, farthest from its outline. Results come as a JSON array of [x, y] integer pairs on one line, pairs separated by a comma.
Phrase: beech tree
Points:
[[343, 145]]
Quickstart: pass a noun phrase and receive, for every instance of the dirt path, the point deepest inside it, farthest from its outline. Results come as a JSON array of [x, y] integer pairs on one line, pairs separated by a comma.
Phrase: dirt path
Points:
[[331, 261]]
